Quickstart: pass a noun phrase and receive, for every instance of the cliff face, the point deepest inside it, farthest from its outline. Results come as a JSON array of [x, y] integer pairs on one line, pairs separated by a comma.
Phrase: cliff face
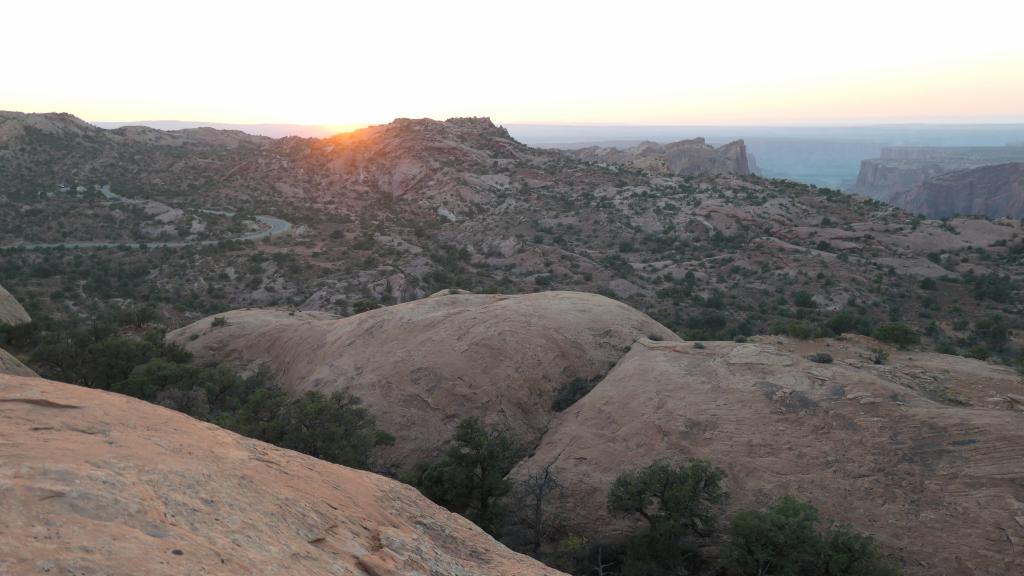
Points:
[[99, 483], [993, 191], [900, 169], [685, 158]]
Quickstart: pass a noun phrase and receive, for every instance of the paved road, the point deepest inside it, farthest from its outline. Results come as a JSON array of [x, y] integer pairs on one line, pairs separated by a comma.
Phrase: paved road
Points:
[[275, 226]]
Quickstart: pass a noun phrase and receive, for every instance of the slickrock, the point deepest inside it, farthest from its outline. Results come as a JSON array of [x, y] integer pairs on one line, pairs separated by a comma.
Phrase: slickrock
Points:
[[97, 483], [422, 366]]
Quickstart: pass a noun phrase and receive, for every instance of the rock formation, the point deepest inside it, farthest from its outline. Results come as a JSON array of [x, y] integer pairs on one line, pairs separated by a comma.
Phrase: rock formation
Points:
[[901, 169], [926, 452], [923, 436], [995, 191], [11, 311], [97, 483], [685, 157], [421, 366]]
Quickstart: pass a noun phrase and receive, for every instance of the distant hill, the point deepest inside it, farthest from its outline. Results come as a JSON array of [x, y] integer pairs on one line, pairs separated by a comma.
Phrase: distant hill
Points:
[[269, 130]]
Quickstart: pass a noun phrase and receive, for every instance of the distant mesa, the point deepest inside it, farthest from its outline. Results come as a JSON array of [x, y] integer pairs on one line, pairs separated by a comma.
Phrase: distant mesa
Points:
[[683, 158], [900, 168], [995, 191]]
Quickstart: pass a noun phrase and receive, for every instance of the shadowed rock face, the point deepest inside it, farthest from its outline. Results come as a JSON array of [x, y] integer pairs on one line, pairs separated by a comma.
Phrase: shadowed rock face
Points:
[[891, 449], [11, 365], [422, 366], [98, 483], [11, 311], [684, 158], [994, 191]]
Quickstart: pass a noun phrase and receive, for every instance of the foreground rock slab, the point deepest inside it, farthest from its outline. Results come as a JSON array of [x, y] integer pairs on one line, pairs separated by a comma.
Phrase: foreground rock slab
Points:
[[97, 483]]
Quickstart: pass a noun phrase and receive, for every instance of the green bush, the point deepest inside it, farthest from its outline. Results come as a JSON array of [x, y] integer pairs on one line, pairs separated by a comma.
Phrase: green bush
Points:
[[679, 504], [470, 478], [821, 358], [896, 333], [784, 540]]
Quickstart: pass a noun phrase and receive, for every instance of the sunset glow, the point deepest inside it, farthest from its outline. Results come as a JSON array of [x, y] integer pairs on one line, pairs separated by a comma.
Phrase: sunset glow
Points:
[[348, 64]]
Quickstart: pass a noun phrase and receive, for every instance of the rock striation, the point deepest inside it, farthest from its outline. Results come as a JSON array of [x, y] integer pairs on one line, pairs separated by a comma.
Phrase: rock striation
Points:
[[99, 483], [682, 158]]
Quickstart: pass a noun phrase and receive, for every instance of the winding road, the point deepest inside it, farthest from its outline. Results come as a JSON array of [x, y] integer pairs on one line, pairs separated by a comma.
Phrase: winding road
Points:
[[275, 227]]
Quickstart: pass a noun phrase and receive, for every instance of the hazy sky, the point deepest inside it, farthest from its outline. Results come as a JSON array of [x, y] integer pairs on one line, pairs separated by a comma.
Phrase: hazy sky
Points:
[[349, 63]]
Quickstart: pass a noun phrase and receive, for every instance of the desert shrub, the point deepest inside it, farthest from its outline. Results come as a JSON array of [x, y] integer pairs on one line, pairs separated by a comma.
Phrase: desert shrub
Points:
[[784, 540], [219, 321], [680, 505], [779, 540], [992, 286], [896, 333], [364, 306], [879, 356], [470, 478], [992, 331], [803, 299], [821, 358], [334, 427], [850, 321]]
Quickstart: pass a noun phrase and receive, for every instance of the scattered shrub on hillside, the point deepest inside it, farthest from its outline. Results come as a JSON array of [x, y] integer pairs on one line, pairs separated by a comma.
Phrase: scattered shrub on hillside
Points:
[[879, 356], [219, 321], [821, 358], [896, 333]]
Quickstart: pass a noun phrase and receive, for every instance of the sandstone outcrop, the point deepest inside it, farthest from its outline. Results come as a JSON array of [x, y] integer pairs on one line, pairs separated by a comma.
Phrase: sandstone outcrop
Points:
[[421, 366], [97, 483], [926, 451], [685, 157]]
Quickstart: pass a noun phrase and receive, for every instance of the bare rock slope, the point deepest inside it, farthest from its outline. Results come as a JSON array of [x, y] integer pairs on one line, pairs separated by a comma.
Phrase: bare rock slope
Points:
[[926, 452], [423, 365], [98, 483], [11, 311]]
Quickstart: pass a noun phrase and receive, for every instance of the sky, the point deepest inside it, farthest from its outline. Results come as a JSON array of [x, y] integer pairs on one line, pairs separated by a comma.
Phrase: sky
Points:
[[348, 64]]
